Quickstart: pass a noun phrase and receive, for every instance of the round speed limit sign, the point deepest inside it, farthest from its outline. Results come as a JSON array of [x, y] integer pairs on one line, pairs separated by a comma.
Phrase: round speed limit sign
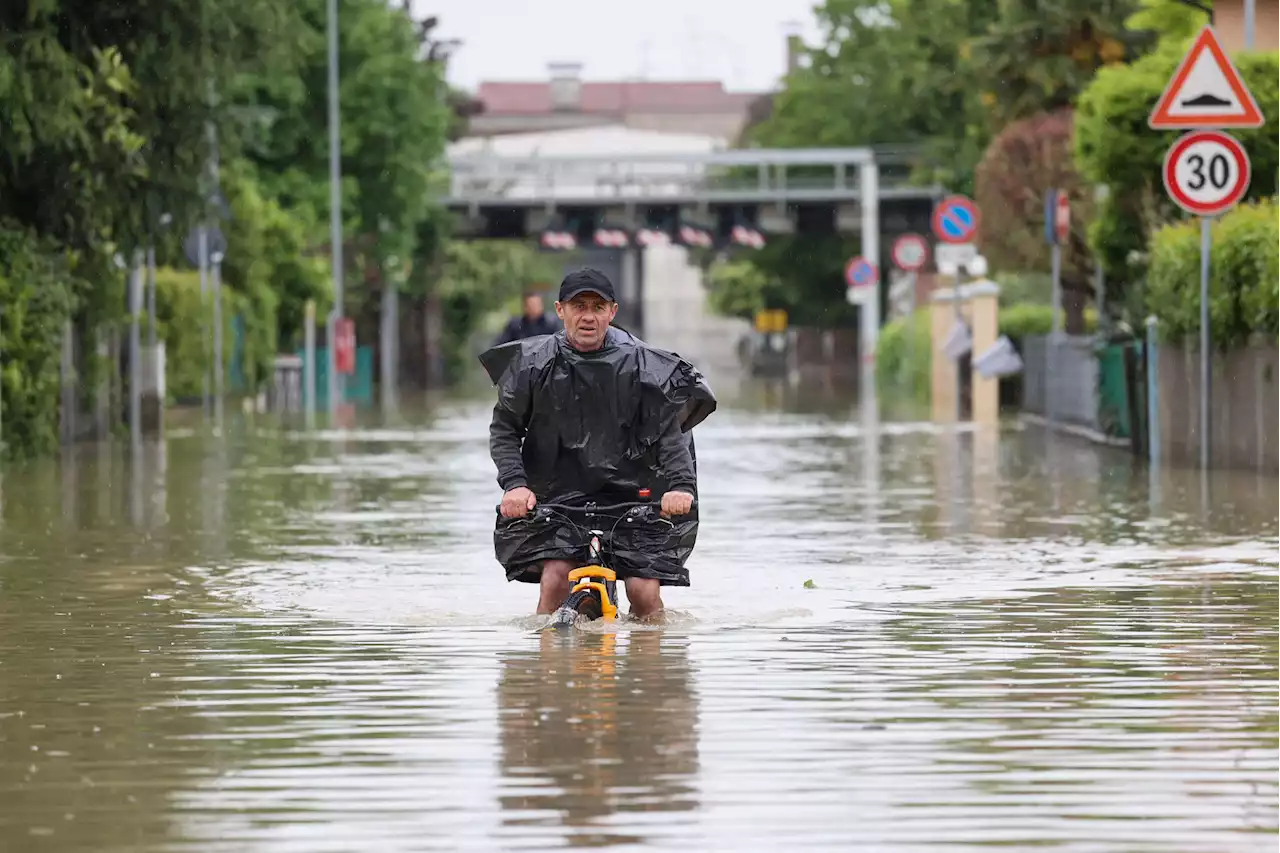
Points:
[[1206, 172]]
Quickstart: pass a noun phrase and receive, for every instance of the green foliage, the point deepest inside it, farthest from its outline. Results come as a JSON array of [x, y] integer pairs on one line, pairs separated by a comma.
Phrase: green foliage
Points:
[[887, 72], [1113, 145], [185, 323], [1035, 58], [738, 288], [1019, 287], [1167, 21], [36, 299], [1243, 274], [1026, 319], [942, 74], [104, 109], [904, 354], [267, 263], [803, 275], [395, 114]]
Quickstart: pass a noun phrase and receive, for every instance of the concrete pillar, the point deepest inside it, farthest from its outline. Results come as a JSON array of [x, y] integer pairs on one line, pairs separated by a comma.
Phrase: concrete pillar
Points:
[[982, 307], [942, 372], [630, 287]]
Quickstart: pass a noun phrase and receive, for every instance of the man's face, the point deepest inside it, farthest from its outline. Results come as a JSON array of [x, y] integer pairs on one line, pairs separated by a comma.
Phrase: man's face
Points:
[[533, 306], [586, 318]]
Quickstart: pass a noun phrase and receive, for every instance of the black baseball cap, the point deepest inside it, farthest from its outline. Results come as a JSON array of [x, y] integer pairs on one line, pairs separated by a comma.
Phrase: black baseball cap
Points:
[[586, 280]]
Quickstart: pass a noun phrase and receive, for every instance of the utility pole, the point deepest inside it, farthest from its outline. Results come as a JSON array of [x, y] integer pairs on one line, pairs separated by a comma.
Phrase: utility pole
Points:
[[438, 53], [335, 209]]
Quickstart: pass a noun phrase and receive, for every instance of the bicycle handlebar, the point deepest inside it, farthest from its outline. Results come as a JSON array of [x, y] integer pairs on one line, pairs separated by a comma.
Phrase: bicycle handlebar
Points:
[[590, 509]]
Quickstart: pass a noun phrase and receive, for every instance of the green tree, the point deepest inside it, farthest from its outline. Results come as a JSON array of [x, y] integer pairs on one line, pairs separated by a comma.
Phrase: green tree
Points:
[[395, 115], [104, 109], [887, 73], [1025, 160], [477, 278], [1114, 146], [1035, 58]]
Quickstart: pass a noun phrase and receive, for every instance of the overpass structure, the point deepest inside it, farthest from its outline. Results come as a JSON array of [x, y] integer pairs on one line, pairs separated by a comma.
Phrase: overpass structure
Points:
[[769, 191]]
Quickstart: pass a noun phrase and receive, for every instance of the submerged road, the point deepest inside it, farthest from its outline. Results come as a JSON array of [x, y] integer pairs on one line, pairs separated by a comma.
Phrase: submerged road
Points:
[[898, 638]]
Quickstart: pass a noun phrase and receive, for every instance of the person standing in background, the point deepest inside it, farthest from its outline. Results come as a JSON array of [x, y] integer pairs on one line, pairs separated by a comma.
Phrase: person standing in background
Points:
[[533, 322]]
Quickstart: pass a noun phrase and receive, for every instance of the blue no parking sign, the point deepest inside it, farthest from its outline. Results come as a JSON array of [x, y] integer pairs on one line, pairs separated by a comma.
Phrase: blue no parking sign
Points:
[[860, 272], [955, 219]]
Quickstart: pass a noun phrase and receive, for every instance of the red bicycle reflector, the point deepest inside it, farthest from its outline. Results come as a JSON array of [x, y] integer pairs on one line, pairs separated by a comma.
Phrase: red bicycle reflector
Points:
[[644, 493]]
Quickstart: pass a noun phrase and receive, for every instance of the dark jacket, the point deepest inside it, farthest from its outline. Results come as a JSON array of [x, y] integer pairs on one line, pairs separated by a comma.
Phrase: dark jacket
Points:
[[569, 424], [519, 328]]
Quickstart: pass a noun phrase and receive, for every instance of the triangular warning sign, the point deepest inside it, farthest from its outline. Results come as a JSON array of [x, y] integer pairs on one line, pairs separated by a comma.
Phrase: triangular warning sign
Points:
[[1206, 91]]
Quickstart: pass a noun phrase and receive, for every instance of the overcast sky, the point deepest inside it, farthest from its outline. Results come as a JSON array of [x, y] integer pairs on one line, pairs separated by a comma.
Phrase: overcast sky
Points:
[[741, 42]]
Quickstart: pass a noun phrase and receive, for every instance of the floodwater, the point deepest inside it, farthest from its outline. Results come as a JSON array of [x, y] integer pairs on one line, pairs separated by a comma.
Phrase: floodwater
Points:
[[899, 638]]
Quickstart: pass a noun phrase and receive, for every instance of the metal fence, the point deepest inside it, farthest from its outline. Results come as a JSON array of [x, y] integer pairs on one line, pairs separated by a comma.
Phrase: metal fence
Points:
[[1060, 380]]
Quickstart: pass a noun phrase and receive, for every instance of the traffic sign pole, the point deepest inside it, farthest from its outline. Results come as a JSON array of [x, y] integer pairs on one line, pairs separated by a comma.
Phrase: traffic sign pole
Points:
[[1206, 240], [1206, 173]]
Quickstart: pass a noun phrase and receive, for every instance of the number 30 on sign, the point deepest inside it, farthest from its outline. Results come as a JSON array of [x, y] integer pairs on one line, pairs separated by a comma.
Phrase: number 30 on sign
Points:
[[1206, 172]]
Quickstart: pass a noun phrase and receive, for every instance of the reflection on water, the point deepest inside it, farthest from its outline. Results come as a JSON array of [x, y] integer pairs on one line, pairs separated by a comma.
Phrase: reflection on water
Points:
[[594, 730], [899, 636]]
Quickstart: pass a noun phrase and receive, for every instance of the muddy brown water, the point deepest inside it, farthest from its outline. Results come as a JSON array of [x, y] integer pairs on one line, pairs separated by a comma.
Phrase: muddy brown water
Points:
[[277, 640]]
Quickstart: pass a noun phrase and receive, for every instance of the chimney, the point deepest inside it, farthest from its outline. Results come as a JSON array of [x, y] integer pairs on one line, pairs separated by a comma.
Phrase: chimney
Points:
[[566, 85], [795, 45]]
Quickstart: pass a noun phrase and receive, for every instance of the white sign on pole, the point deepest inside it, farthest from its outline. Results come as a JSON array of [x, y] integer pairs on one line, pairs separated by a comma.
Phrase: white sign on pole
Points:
[[1000, 360], [859, 295], [958, 342], [953, 255]]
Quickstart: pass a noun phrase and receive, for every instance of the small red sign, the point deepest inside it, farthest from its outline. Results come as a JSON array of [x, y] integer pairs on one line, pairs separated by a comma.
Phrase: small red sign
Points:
[[344, 349], [1062, 218]]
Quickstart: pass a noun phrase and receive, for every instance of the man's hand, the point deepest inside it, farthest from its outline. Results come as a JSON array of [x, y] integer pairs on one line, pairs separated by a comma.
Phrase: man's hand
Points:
[[676, 503], [518, 502]]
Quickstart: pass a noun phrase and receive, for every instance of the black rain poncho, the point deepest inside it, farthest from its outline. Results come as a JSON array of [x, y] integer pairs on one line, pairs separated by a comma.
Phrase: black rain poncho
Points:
[[599, 426]]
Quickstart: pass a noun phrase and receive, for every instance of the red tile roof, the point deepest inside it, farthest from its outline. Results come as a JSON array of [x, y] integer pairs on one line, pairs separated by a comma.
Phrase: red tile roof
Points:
[[616, 98]]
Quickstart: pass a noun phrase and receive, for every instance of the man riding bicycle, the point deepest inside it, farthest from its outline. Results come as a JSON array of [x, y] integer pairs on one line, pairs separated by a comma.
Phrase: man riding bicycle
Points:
[[592, 414]]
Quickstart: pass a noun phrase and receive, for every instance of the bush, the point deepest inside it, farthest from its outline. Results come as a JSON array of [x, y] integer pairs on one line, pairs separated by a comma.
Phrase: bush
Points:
[[1113, 145], [178, 323], [37, 298], [737, 288], [1244, 267], [1021, 321], [266, 264], [903, 354]]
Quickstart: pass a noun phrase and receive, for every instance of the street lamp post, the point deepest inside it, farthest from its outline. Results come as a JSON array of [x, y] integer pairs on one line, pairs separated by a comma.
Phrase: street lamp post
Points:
[[437, 52], [335, 208]]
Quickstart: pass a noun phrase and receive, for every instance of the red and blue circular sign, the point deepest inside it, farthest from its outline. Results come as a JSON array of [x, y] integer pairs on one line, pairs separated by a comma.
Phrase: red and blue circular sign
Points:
[[860, 272], [955, 219]]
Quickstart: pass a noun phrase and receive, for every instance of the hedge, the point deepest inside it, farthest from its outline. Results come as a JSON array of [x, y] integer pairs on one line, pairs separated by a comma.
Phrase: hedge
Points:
[[1244, 268], [1114, 146], [178, 315], [37, 297]]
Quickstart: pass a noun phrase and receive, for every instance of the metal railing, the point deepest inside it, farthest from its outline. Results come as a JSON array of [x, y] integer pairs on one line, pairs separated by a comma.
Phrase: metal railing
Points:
[[742, 175]]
